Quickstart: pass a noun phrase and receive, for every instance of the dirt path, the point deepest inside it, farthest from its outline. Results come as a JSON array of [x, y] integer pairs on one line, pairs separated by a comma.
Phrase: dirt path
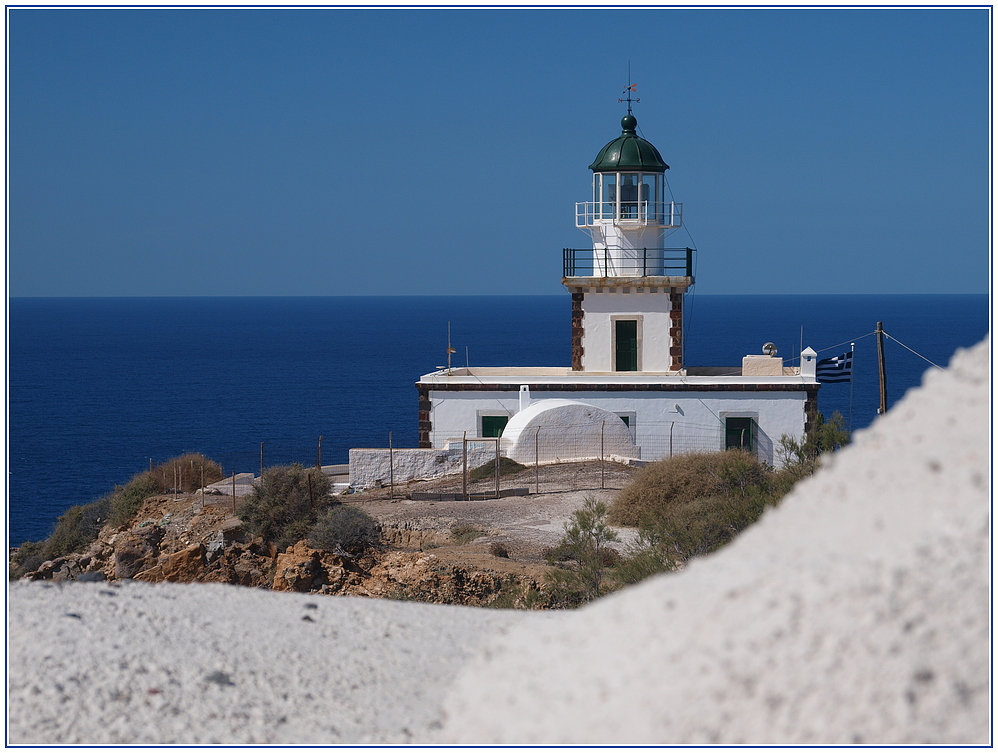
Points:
[[525, 525]]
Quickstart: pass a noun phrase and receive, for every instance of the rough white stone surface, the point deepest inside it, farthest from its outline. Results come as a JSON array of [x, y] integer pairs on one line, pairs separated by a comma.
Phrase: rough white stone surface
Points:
[[174, 663], [856, 612]]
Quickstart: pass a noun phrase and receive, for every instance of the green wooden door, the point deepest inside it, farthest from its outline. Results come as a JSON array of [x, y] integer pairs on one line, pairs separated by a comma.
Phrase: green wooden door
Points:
[[626, 336]]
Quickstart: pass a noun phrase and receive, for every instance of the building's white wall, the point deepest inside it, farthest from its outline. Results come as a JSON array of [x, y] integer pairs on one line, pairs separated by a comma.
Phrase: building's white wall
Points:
[[454, 413], [662, 422], [653, 331]]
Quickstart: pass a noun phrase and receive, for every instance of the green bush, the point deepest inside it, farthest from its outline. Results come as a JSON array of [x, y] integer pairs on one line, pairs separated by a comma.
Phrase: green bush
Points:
[[344, 527], [585, 541], [126, 500], [800, 457], [76, 528], [286, 504], [507, 467], [26, 559], [682, 479], [691, 529], [464, 533]]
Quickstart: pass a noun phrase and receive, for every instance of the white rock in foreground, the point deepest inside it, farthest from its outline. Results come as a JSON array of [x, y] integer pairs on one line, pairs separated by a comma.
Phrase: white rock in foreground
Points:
[[857, 612]]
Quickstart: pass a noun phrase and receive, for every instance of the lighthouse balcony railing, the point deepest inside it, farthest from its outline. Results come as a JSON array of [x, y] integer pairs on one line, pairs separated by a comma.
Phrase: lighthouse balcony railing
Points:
[[660, 213], [628, 262]]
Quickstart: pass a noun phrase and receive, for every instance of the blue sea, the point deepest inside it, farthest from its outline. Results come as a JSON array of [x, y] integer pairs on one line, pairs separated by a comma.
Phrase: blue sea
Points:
[[99, 386]]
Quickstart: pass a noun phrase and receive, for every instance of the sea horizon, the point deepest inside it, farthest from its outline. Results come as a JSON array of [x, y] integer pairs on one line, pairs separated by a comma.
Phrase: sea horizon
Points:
[[99, 385]]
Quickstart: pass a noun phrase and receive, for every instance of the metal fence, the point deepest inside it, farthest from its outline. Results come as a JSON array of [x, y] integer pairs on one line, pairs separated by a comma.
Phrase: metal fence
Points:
[[631, 262], [549, 458]]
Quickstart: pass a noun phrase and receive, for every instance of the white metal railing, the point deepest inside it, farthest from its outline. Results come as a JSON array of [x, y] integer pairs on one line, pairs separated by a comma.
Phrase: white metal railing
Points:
[[664, 213]]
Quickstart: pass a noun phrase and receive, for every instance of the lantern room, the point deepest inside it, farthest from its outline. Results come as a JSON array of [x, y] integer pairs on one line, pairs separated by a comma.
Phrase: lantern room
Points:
[[629, 184]]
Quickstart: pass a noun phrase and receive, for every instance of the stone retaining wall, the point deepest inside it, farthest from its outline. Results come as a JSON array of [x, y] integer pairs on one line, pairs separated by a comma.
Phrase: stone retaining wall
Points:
[[370, 467]]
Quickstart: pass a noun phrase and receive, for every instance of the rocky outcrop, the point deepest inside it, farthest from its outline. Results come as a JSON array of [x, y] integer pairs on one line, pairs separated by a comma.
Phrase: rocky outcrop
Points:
[[180, 541], [136, 551], [303, 569], [423, 577]]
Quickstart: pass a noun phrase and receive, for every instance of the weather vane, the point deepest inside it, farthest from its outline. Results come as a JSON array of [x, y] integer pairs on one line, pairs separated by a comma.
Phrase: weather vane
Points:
[[627, 90]]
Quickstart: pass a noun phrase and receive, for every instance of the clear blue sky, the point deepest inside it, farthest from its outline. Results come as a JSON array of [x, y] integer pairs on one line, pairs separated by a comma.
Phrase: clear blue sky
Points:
[[346, 152]]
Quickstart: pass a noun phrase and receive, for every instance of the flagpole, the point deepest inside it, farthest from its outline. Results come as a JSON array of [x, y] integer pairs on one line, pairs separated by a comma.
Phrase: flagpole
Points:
[[852, 349]]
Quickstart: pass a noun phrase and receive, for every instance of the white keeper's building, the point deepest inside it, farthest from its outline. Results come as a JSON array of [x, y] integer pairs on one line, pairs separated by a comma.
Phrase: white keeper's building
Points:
[[628, 391]]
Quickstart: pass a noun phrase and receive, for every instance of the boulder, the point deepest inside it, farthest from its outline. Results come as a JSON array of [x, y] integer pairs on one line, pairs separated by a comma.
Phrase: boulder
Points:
[[136, 550], [303, 569], [184, 566]]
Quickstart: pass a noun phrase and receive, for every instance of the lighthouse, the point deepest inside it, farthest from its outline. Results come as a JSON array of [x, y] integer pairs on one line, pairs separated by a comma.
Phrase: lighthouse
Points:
[[628, 382], [628, 288]]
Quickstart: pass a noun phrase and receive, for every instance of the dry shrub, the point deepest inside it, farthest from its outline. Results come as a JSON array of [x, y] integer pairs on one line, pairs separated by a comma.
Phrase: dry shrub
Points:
[[188, 469], [498, 550], [682, 479], [344, 527]]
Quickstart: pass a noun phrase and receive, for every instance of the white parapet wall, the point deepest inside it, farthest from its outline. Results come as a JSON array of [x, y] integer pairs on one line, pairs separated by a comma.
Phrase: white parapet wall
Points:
[[371, 467]]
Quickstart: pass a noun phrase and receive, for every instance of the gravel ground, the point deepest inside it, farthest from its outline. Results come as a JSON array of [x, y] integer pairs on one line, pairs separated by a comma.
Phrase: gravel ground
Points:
[[525, 525]]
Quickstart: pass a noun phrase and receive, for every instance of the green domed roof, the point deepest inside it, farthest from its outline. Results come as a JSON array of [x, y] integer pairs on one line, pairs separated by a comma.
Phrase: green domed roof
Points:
[[629, 152]]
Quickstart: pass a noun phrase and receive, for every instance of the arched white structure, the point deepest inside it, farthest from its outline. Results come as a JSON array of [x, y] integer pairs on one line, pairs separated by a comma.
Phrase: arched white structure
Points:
[[550, 430]]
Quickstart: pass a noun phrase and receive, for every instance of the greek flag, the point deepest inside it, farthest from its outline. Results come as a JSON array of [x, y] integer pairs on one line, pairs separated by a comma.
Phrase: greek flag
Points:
[[837, 369]]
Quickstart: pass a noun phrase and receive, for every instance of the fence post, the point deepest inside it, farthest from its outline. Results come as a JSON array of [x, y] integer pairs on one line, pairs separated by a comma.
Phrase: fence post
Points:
[[391, 466], [497, 467], [233, 491], [464, 467], [602, 457], [537, 464], [671, 427], [318, 454], [261, 459]]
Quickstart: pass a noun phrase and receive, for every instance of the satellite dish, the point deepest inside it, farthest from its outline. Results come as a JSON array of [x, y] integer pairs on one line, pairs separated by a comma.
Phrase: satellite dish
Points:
[[769, 349]]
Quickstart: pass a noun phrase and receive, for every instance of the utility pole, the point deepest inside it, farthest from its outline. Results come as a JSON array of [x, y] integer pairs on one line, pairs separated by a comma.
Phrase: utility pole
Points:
[[883, 368]]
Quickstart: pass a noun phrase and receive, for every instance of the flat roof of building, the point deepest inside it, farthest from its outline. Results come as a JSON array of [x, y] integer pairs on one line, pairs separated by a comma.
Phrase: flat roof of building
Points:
[[488, 376]]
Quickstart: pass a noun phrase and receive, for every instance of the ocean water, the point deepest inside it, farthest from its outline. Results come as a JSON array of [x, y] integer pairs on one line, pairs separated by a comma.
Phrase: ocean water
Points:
[[98, 386]]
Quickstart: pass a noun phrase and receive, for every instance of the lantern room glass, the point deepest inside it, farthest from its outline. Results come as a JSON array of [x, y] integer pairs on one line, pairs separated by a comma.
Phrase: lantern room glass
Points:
[[628, 196]]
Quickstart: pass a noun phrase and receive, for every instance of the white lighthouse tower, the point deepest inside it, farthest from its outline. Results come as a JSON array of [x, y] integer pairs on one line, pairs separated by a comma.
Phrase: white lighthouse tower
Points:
[[627, 291]]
